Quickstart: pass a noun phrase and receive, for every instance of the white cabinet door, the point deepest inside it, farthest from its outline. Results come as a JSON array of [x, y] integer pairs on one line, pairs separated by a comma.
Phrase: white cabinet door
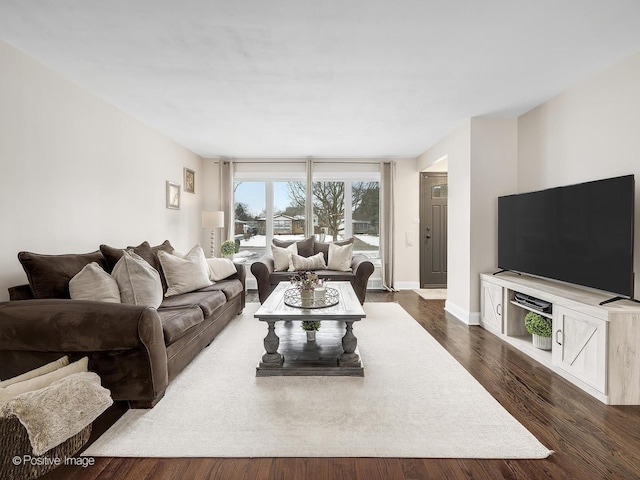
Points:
[[580, 346], [491, 306]]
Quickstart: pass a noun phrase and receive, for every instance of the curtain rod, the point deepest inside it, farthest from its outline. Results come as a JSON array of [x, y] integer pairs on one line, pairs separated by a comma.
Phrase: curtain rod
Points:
[[304, 160]]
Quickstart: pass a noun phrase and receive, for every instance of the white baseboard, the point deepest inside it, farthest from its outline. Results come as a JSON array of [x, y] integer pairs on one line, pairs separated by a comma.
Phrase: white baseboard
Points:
[[470, 318]]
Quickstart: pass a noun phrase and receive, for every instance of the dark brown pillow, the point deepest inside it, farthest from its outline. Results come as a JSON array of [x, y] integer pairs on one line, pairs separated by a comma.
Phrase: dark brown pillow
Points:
[[146, 251], [324, 247], [305, 247], [49, 275]]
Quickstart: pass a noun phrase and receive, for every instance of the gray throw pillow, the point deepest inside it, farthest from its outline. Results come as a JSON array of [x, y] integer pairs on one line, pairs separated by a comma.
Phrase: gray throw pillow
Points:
[[139, 282], [93, 283], [185, 273]]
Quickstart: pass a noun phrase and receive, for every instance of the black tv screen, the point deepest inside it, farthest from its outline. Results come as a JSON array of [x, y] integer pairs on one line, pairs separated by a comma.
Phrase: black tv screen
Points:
[[581, 234]]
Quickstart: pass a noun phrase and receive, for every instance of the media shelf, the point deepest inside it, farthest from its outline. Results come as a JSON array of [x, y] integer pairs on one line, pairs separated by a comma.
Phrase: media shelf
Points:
[[531, 309], [593, 346]]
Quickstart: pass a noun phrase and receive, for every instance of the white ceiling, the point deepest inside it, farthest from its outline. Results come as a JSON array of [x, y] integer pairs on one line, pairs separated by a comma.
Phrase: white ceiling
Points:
[[321, 78]]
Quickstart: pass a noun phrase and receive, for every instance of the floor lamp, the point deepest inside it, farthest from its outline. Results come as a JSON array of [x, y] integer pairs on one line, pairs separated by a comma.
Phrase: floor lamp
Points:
[[213, 221]]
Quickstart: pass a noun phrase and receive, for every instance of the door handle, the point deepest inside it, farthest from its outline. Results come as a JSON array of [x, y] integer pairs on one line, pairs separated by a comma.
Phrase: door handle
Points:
[[558, 341], [427, 236], [499, 309]]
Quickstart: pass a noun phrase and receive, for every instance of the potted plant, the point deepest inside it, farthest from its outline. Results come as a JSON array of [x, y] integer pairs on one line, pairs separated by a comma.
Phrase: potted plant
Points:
[[541, 329], [228, 248], [311, 327]]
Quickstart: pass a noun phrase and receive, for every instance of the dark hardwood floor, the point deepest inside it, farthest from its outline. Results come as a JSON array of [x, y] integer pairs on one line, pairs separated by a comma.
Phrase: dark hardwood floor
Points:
[[590, 440]]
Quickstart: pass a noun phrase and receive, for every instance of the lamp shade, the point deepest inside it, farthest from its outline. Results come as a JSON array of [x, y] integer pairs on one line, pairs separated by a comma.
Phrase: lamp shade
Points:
[[213, 219]]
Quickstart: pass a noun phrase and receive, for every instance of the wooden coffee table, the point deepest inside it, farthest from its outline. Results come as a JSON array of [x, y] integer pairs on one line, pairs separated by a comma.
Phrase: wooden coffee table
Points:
[[335, 350]]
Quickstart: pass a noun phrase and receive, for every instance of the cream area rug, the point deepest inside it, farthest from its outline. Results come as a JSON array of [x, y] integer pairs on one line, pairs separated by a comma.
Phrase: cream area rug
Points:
[[432, 293], [415, 400]]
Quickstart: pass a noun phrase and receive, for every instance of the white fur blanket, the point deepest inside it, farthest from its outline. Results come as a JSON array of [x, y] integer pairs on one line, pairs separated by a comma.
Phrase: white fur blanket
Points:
[[55, 413]]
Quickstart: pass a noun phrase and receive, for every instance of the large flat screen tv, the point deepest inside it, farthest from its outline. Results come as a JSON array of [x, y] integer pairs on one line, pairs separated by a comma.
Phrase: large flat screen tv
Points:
[[580, 234]]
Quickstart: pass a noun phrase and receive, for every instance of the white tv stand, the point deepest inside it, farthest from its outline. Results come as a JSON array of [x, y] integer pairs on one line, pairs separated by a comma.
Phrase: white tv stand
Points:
[[596, 347]]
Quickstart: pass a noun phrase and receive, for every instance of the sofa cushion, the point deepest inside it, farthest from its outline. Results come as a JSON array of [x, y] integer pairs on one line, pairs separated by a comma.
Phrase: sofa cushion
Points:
[[331, 275], [282, 256], [340, 257], [324, 247], [230, 288], [220, 268], [139, 282], [208, 301], [185, 273], [146, 251], [94, 284], [49, 275], [305, 247], [177, 320], [314, 262]]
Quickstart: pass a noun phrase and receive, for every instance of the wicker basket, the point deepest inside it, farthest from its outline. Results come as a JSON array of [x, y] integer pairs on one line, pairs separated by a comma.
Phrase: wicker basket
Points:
[[14, 444]]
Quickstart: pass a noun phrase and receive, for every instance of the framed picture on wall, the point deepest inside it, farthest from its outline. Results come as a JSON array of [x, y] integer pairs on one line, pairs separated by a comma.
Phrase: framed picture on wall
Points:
[[173, 196], [189, 181]]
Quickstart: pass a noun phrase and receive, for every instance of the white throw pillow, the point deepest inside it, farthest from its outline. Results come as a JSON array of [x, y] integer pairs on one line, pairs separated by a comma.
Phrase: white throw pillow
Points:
[[220, 268], [185, 273], [139, 282], [7, 393], [315, 262], [340, 257], [93, 283], [49, 367], [281, 256]]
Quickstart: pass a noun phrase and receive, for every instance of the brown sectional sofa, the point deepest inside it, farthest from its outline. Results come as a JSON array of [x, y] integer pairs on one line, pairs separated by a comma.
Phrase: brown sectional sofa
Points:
[[267, 278], [136, 350]]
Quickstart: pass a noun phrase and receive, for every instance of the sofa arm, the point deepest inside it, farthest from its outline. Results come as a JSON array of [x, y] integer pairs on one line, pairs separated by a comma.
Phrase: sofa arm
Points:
[[241, 274], [76, 325], [262, 270], [124, 343], [21, 292], [362, 269]]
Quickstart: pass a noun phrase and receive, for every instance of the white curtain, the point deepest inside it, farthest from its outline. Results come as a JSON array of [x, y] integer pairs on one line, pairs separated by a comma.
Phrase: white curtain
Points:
[[226, 198], [387, 183]]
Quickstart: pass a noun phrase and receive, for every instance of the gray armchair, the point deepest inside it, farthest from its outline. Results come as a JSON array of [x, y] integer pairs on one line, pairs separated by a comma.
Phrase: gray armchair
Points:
[[267, 278]]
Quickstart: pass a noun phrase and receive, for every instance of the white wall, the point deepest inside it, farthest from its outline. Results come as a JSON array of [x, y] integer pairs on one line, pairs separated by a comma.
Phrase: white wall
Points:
[[456, 147], [586, 133], [494, 153], [77, 172], [406, 217], [482, 165]]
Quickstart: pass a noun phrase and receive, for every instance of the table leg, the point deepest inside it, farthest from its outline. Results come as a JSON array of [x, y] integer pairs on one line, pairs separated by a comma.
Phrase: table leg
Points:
[[271, 344], [349, 344]]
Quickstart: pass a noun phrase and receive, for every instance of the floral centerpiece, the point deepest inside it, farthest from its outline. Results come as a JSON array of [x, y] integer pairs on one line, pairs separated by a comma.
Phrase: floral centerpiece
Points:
[[308, 281]]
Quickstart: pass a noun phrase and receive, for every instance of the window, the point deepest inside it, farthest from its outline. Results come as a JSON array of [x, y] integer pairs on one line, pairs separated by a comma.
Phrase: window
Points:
[[271, 202], [249, 212]]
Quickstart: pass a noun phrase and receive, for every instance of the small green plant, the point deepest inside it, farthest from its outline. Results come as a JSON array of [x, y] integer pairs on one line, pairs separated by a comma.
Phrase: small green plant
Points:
[[310, 325], [228, 248], [537, 324]]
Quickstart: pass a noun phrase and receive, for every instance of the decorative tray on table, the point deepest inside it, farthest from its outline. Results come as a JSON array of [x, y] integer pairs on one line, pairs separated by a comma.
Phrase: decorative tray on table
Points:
[[294, 298]]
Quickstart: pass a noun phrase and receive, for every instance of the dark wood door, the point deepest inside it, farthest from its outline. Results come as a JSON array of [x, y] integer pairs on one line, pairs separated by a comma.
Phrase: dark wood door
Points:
[[433, 230]]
